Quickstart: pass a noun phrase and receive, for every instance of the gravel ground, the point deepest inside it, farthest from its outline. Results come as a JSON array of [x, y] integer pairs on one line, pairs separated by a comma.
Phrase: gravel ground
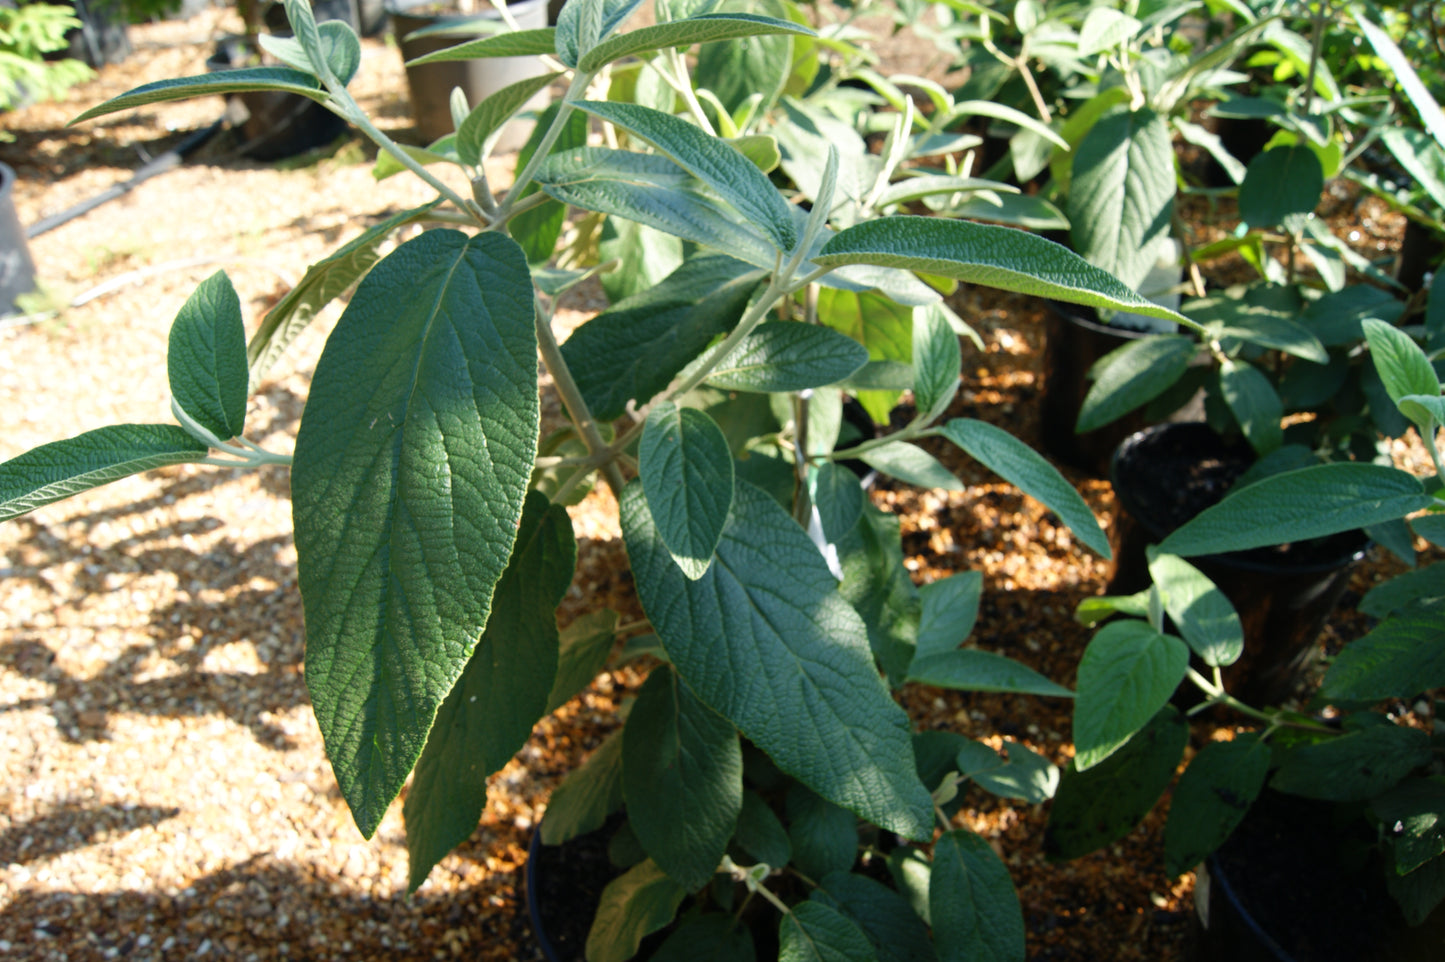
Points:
[[164, 793]]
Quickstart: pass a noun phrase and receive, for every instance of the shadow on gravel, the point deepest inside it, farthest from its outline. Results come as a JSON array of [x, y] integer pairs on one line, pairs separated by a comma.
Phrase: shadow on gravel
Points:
[[263, 910], [74, 825]]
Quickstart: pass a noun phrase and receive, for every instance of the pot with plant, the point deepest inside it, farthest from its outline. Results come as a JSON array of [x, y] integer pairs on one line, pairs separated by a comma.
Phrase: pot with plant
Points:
[[1369, 778], [432, 538]]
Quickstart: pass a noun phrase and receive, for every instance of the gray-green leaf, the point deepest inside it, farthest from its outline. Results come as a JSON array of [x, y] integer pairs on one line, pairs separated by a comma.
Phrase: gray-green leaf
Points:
[[1133, 375], [1127, 673], [1254, 403], [764, 638], [411, 464], [60, 469], [583, 648], [518, 43], [788, 356], [206, 358], [278, 79], [969, 669], [488, 117], [1297, 505], [908, 462], [707, 28], [950, 608], [1204, 616], [1024, 468]]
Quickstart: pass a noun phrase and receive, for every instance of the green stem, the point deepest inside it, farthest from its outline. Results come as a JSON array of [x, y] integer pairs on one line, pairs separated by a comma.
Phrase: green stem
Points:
[[572, 399], [684, 87], [351, 111], [908, 433]]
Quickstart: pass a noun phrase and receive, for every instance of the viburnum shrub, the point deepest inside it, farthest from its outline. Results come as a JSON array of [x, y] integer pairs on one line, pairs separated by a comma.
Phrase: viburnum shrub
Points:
[[433, 544]]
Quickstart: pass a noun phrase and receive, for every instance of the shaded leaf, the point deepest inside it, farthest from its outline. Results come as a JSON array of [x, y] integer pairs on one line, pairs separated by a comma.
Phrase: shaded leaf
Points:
[[687, 474], [1213, 797], [972, 903], [633, 906]]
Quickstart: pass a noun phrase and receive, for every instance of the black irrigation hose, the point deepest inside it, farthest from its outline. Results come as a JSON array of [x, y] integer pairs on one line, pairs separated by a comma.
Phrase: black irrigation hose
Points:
[[169, 160]]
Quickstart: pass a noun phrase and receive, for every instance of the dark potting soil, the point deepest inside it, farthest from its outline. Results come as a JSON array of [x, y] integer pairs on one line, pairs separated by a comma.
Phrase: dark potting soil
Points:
[[1164, 478], [564, 886], [1315, 886]]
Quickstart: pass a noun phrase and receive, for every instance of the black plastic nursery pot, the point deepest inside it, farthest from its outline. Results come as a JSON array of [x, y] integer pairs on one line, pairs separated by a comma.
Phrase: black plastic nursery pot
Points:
[[1295, 883], [17, 269], [273, 125], [431, 84], [1164, 476]]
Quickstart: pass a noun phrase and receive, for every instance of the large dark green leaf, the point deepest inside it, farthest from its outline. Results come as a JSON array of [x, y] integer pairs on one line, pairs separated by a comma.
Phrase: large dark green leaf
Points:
[[1280, 186], [411, 463], [1126, 674], [55, 471], [1404, 590], [1297, 505], [682, 775], [1102, 805], [1121, 199], [489, 713], [788, 356], [277, 79], [1403, 656], [324, 281], [1354, 766], [761, 834], [206, 358], [764, 638], [1213, 797], [1023, 467], [687, 475], [972, 902], [814, 932], [633, 906], [717, 163], [634, 350], [712, 937], [822, 836], [1002, 257], [894, 930], [1133, 375]]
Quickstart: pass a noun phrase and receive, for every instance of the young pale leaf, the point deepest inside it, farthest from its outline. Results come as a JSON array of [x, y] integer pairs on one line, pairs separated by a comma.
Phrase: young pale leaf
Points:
[[652, 190], [788, 356], [411, 464], [937, 360], [489, 713], [1254, 403], [278, 79], [587, 795], [1355, 766], [707, 28], [814, 932], [1121, 199], [488, 117], [339, 46], [324, 281], [206, 358], [519, 43], [1403, 656], [1204, 616], [682, 775], [583, 649], [908, 462], [633, 350], [715, 162], [1133, 375], [1213, 797], [1100, 806], [60, 469], [1296, 505], [1126, 675], [1002, 257], [1027, 775], [1403, 366], [968, 669], [823, 837], [633, 906], [972, 902], [764, 638], [1424, 410], [894, 930], [1023, 467], [950, 607], [687, 473], [1280, 186]]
